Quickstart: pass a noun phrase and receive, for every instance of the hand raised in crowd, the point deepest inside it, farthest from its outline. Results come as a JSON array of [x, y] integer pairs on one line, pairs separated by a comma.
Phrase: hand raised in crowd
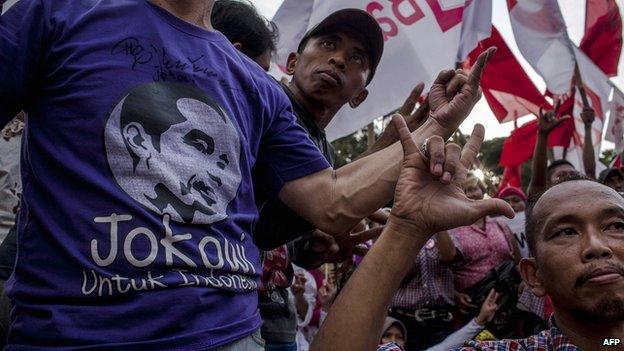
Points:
[[298, 286], [330, 249], [413, 118], [454, 93], [488, 309], [588, 115], [464, 303], [548, 120], [326, 294], [429, 189]]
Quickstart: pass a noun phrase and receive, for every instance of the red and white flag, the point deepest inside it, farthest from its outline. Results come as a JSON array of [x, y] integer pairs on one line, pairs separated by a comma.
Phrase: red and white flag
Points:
[[507, 88], [422, 37], [602, 41], [519, 146], [615, 129], [541, 35], [597, 88]]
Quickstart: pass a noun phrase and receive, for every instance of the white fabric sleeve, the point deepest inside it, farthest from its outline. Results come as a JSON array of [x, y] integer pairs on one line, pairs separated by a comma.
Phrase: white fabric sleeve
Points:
[[309, 294], [458, 338]]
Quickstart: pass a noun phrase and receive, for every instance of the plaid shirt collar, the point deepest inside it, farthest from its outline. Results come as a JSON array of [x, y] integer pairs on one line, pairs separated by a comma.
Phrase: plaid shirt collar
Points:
[[560, 342], [551, 339]]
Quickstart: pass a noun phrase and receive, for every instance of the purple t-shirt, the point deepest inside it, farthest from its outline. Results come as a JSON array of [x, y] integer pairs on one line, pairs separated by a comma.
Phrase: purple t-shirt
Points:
[[138, 208]]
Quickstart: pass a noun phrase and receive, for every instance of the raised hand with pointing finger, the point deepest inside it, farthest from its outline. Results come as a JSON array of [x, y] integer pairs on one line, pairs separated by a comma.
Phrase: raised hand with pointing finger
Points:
[[455, 92], [429, 186]]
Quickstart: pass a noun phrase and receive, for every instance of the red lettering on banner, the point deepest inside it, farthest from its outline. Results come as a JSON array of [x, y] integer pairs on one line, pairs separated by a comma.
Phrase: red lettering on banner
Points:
[[447, 19], [388, 33], [407, 19]]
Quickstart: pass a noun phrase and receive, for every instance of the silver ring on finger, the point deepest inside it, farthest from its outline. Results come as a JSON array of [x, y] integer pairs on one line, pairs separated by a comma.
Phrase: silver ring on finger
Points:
[[424, 148]]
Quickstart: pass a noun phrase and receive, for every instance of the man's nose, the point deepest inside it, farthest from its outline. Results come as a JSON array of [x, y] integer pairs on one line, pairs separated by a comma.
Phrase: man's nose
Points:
[[595, 246], [338, 59]]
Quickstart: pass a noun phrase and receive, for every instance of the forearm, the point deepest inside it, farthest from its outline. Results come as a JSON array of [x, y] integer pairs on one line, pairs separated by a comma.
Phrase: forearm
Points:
[[446, 248], [356, 317], [334, 201], [589, 159], [538, 175]]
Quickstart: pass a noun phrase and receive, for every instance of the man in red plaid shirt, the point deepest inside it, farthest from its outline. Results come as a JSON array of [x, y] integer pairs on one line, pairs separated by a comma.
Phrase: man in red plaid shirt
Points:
[[578, 260]]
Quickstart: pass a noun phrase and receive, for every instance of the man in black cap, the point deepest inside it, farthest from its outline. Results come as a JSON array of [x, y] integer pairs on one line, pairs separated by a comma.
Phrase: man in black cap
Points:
[[333, 64]]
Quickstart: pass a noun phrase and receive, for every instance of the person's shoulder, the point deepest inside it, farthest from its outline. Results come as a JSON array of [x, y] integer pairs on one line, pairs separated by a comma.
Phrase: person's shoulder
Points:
[[260, 80]]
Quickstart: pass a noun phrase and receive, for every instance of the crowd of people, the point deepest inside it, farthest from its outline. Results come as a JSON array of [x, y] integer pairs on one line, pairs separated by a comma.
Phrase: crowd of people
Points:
[[173, 196]]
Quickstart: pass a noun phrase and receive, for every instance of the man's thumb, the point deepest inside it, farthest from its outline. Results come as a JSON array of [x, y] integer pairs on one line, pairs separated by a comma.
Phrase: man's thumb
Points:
[[493, 207]]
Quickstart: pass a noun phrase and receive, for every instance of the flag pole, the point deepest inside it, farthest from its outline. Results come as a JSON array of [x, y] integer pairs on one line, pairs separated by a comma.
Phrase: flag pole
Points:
[[578, 80]]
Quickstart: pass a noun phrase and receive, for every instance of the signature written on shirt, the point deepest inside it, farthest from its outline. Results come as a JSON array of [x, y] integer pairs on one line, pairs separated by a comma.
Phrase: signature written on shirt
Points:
[[166, 68]]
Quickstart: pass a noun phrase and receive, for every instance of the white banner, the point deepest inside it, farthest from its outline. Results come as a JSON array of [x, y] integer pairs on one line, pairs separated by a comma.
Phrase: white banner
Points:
[[422, 37]]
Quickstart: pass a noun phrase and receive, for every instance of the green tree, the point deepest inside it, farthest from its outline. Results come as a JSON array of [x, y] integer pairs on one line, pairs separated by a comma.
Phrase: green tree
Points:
[[607, 157], [347, 148]]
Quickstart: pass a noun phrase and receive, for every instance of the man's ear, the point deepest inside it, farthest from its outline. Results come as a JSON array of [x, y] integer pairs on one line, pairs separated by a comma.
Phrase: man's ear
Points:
[[291, 63], [530, 275], [238, 46], [358, 99], [137, 140]]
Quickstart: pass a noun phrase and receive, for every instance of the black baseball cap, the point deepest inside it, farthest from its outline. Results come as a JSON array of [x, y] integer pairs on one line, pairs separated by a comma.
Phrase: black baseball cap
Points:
[[358, 21], [602, 178]]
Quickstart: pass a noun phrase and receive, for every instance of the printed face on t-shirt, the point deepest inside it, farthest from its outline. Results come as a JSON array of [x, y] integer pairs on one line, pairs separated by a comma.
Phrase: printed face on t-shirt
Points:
[[174, 150]]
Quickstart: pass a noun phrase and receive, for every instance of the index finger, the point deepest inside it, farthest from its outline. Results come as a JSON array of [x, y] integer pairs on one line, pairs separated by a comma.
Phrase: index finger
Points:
[[491, 296], [410, 102], [472, 147], [477, 70], [557, 106], [409, 146]]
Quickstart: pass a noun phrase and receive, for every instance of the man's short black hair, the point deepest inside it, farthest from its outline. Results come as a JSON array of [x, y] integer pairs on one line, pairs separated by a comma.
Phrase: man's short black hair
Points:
[[241, 23], [556, 164], [529, 223], [154, 107]]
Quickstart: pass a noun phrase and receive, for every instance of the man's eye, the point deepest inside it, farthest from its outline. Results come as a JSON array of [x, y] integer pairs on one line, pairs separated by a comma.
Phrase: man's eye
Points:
[[616, 226], [565, 232], [356, 58], [327, 44], [199, 144]]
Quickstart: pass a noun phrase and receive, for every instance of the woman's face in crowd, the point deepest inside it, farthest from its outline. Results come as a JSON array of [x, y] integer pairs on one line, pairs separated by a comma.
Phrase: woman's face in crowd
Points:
[[516, 203], [472, 189], [393, 334]]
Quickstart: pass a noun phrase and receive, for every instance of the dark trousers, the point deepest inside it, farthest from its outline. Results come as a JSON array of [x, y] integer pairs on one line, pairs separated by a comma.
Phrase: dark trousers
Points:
[[279, 346], [422, 335]]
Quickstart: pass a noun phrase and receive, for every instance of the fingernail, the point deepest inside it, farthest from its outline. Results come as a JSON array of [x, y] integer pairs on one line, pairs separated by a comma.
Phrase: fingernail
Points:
[[446, 177], [437, 169]]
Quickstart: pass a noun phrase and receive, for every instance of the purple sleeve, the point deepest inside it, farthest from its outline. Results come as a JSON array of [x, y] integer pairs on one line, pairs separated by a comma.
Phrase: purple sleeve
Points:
[[22, 40], [287, 153]]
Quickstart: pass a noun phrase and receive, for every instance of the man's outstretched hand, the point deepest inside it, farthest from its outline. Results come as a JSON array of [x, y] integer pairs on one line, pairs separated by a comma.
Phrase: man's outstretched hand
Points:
[[454, 93], [428, 196]]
